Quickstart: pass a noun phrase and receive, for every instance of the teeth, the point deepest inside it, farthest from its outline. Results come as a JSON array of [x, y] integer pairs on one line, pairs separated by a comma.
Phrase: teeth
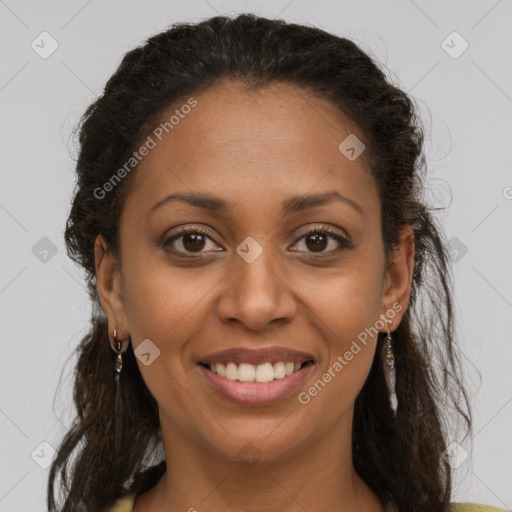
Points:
[[219, 369], [246, 372], [279, 371], [263, 373]]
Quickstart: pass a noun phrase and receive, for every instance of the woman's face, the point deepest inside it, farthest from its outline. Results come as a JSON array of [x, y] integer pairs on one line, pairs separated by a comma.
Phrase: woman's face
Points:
[[255, 280]]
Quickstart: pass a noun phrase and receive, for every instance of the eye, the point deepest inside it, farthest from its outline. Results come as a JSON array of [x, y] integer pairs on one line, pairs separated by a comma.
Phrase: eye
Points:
[[193, 240], [316, 239], [188, 240]]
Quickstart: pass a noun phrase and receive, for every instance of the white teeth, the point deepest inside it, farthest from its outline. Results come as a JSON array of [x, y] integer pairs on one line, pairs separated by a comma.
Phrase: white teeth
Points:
[[245, 372], [231, 371], [289, 367], [219, 369], [264, 372], [279, 371]]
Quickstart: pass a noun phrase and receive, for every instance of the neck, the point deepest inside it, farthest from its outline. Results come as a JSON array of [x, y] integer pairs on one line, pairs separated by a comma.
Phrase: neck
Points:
[[316, 476]]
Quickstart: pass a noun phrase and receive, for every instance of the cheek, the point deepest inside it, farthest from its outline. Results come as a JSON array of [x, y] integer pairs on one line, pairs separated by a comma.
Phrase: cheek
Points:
[[350, 349], [164, 304], [346, 307], [161, 300], [346, 302]]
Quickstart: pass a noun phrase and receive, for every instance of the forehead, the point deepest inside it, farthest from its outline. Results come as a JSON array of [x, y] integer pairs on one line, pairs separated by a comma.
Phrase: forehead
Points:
[[244, 144]]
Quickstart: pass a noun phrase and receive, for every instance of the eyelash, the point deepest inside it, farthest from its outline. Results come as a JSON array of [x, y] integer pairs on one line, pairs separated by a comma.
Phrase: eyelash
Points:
[[317, 230]]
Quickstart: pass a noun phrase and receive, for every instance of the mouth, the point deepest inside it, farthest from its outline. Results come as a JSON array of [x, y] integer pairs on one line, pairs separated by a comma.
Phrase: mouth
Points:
[[260, 373], [259, 385], [255, 377]]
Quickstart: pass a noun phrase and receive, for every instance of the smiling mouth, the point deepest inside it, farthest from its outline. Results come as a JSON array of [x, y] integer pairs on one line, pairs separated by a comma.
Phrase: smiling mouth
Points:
[[261, 373]]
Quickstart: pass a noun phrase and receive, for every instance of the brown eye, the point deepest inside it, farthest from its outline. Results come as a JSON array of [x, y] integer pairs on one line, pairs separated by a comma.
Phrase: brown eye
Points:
[[189, 240], [193, 242], [317, 240]]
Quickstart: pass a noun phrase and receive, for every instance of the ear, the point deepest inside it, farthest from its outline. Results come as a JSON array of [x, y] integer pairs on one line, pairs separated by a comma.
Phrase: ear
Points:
[[397, 280], [108, 281]]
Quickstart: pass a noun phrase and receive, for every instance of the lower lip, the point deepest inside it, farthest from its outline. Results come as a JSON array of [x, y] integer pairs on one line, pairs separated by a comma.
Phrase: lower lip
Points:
[[256, 393]]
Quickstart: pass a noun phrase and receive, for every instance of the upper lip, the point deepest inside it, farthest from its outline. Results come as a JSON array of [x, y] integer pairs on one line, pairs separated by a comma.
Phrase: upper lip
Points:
[[272, 355]]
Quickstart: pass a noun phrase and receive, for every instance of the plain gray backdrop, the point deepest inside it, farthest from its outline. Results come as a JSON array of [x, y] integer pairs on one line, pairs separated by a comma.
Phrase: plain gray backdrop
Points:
[[454, 58]]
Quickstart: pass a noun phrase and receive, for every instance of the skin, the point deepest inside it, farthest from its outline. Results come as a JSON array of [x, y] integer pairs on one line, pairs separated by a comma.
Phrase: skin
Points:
[[254, 150]]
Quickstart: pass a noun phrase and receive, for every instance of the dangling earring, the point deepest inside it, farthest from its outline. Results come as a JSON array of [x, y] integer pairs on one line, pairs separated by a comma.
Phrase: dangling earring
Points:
[[389, 371], [119, 348]]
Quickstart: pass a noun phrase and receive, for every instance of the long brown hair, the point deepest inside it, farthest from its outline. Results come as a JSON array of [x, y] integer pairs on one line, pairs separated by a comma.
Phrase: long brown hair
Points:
[[402, 459]]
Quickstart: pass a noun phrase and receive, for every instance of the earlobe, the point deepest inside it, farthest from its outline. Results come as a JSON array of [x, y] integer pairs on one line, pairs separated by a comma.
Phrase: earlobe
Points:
[[108, 282]]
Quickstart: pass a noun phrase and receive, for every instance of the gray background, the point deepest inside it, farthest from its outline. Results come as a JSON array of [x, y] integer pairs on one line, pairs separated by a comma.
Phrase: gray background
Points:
[[466, 103]]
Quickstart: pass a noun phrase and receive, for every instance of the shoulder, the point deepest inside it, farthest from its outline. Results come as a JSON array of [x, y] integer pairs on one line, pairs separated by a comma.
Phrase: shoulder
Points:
[[463, 507], [473, 507], [126, 504], [122, 504]]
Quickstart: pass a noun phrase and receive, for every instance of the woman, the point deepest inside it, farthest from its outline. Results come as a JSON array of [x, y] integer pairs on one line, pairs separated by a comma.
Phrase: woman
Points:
[[273, 308]]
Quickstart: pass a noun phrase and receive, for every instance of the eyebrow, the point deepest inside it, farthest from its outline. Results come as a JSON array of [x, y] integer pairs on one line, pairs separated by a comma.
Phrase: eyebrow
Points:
[[291, 205]]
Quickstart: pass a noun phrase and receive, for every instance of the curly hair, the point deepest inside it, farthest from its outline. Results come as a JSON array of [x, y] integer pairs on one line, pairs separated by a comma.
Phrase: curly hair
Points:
[[403, 458]]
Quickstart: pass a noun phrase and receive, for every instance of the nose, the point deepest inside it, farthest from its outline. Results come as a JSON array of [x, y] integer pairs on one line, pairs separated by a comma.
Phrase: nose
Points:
[[256, 294]]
